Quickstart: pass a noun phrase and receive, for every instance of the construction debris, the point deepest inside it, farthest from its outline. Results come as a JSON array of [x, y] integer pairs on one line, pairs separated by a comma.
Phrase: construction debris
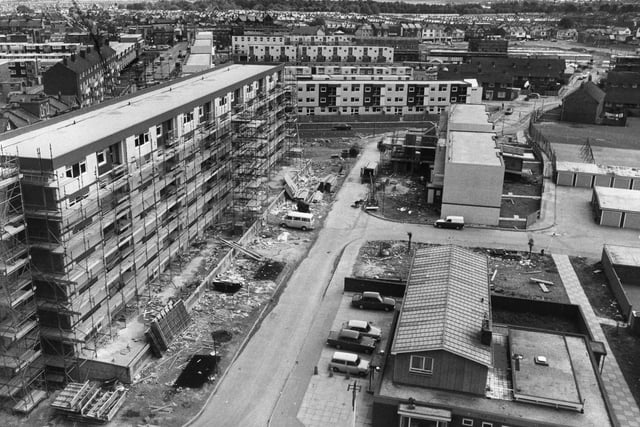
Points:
[[251, 254], [88, 402], [168, 324]]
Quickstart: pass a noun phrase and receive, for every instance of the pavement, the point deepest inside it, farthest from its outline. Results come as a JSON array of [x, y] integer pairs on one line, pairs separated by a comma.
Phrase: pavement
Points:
[[624, 405]]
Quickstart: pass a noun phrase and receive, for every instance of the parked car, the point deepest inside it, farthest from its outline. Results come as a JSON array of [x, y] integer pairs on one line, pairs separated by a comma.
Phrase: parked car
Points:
[[342, 126], [373, 301], [365, 328], [451, 221], [348, 363], [351, 340], [508, 111], [531, 96]]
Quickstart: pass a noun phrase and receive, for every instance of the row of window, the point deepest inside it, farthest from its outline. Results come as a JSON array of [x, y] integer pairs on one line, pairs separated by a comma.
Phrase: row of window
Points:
[[310, 111], [367, 100], [398, 88]]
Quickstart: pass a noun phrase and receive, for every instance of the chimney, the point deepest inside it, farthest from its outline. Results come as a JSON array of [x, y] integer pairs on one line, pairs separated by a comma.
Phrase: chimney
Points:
[[83, 54], [88, 50], [73, 57], [486, 333]]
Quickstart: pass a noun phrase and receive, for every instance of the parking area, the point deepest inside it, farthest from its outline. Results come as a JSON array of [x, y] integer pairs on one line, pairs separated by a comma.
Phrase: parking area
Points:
[[328, 400]]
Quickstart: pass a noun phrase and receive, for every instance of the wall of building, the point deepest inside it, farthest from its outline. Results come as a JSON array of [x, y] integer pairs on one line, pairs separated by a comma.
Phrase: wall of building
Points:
[[615, 283], [473, 191], [450, 372]]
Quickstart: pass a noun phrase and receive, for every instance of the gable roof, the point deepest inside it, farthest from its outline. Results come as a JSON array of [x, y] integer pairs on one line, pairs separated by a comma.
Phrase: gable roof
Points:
[[592, 90], [445, 303]]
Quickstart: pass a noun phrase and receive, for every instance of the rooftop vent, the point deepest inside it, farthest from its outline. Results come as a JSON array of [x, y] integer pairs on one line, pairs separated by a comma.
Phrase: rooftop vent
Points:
[[541, 360]]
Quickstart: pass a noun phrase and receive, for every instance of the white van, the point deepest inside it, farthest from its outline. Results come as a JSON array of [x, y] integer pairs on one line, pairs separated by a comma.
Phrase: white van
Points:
[[302, 220], [348, 363]]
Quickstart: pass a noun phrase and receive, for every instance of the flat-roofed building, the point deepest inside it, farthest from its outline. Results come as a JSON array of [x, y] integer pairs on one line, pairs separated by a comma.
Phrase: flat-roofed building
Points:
[[450, 366], [371, 95], [112, 193], [616, 207], [621, 265]]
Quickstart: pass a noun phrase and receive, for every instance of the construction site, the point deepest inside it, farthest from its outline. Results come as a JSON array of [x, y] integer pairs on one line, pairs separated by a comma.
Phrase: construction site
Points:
[[119, 237]]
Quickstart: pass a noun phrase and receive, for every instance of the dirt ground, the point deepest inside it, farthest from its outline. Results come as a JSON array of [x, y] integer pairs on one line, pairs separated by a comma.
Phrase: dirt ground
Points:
[[596, 286], [391, 260]]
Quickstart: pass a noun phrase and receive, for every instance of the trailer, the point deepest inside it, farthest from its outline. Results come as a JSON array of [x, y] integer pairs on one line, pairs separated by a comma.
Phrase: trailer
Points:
[[369, 172]]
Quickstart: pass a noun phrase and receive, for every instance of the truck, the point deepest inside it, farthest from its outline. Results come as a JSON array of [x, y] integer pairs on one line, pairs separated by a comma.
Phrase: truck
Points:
[[368, 172], [351, 340]]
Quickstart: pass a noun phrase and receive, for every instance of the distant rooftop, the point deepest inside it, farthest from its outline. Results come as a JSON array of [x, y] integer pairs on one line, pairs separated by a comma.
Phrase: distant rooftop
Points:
[[473, 148], [445, 303], [618, 199]]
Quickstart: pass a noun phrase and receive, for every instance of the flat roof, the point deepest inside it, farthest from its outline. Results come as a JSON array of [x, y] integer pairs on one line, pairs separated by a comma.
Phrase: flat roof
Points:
[[55, 139], [477, 148], [469, 113], [592, 168], [623, 255], [595, 406], [199, 59], [618, 199], [552, 384]]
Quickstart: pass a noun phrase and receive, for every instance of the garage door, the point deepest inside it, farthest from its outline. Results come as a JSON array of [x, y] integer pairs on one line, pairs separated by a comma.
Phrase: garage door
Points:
[[603, 181], [611, 218], [584, 180], [565, 178], [632, 220], [622, 182]]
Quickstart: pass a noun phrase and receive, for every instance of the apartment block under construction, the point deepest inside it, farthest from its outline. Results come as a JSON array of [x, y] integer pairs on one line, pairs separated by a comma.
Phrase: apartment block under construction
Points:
[[101, 200]]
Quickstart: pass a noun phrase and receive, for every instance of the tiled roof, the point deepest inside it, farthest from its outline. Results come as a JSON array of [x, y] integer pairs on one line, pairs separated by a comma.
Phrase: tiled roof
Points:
[[619, 95], [593, 91], [622, 77], [446, 300]]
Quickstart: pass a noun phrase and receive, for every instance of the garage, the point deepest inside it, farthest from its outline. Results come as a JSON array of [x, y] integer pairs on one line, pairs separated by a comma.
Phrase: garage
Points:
[[616, 207], [587, 175]]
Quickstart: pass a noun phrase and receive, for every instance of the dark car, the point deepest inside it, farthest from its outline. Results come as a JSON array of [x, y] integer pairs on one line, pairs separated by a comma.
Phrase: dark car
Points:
[[351, 340], [342, 126], [373, 301], [508, 110], [531, 96]]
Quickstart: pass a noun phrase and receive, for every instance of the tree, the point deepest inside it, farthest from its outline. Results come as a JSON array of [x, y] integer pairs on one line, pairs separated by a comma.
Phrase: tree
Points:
[[24, 10], [566, 23]]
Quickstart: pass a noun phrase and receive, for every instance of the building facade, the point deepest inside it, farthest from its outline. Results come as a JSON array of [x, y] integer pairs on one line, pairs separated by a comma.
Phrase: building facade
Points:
[[384, 96], [112, 194]]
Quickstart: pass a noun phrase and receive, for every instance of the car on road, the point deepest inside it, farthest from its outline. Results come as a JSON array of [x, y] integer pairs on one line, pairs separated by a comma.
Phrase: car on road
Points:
[[531, 96], [452, 221], [373, 301], [342, 126], [365, 328], [352, 341], [508, 111], [348, 363]]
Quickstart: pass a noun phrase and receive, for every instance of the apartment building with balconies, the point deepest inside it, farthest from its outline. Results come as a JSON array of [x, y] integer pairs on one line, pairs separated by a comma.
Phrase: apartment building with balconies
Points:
[[113, 193]]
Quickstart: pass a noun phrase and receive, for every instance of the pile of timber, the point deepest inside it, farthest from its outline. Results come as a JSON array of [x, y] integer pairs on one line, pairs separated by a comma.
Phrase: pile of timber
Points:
[[88, 402]]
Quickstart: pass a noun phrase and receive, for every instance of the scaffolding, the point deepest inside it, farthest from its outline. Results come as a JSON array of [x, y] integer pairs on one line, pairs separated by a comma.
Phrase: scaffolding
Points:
[[98, 242], [264, 124], [21, 366]]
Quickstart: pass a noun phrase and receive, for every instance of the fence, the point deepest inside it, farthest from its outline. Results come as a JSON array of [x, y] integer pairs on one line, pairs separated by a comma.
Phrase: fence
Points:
[[541, 145], [615, 283], [393, 288]]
